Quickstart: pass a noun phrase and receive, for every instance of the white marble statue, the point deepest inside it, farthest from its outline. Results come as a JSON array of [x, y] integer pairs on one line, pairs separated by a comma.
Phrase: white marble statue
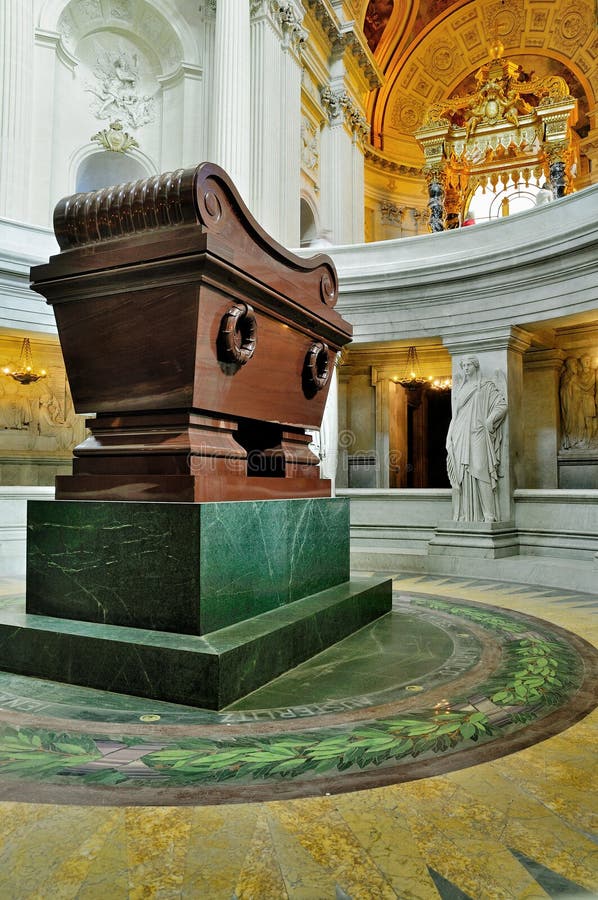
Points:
[[473, 445]]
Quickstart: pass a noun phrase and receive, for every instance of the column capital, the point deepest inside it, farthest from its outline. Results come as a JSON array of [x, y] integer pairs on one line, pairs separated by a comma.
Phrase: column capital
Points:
[[208, 8], [509, 337], [286, 17], [545, 359], [342, 110]]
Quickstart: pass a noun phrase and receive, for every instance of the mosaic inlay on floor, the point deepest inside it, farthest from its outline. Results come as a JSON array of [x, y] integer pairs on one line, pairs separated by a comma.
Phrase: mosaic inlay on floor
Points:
[[520, 826], [437, 685]]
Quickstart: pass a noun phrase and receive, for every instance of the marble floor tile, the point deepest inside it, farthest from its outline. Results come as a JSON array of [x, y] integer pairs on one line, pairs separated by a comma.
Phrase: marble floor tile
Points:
[[521, 826]]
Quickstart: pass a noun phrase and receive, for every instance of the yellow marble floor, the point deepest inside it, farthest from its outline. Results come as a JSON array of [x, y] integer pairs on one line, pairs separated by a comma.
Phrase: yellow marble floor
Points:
[[523, 826]]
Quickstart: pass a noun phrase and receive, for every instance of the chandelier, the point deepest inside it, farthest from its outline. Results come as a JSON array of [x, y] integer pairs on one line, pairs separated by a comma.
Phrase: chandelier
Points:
[[25, 372], [412, 377]]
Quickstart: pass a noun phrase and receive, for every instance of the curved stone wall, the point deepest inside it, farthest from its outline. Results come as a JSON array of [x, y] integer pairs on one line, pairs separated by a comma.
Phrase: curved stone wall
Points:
[[532, 268]]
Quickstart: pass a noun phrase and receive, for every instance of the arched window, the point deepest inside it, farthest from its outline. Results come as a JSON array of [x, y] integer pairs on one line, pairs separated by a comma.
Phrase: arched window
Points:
[[106, 168], [511, 198], [308, 230]]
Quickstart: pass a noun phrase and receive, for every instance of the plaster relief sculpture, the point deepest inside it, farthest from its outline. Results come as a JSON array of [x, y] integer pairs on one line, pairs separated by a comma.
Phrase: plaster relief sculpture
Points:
[[114, 138], [474, 444], [117, 89], [310, 150], [578, 396], [34, 418]]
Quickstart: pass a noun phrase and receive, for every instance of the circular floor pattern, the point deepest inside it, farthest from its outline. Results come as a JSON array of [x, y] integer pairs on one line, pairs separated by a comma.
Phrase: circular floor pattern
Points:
[[438, 684]]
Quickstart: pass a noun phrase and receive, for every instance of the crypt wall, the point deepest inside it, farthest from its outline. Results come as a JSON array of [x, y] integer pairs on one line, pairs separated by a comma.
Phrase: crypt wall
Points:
[[520, 295]]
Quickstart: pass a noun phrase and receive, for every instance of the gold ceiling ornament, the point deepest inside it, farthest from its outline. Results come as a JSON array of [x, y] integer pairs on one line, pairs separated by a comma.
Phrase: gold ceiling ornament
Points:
[[413, 379], [25, 372], [114, 138]]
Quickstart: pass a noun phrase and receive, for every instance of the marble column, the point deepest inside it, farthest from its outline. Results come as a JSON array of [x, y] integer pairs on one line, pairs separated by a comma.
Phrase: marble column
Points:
[[436, 195], [208, 66], [383, 403], [342, 165], [16, 89], [500, 359], [358, 184], [541, 413], [345, 437], [276, 40], [293, 39], [231, 99], [329, 432]]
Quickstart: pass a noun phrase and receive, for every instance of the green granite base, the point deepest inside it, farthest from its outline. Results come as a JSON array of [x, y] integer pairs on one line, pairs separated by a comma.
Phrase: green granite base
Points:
[[209, 672], [189, 568]]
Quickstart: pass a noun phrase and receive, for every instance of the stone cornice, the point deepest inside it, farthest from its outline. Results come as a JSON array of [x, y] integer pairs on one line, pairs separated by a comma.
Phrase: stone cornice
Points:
[[378, 159], [355, 42], [347, 36], [538, 267], [54, 40], [500, 337]]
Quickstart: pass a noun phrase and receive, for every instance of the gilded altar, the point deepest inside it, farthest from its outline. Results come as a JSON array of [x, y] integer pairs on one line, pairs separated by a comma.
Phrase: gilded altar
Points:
[[511, 127]]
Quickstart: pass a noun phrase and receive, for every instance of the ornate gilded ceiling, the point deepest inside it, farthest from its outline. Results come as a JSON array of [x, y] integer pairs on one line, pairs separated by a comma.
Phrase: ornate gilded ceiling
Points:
[[430, 50]]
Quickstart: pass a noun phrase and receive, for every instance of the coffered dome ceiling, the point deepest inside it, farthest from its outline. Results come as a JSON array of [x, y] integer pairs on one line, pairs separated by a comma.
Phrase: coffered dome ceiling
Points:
[[430, 50]]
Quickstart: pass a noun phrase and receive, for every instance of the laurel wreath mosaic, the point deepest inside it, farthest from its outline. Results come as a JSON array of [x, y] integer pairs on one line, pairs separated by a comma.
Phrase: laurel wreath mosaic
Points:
[[537, 674]]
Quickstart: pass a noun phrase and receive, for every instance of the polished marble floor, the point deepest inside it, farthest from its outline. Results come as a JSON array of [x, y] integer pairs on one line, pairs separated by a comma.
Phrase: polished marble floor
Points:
[[482, 825]]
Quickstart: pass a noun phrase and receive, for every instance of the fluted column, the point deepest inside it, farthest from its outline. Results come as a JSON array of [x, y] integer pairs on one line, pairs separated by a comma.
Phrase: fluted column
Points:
[[16, 67], [276, 38], [342, 165], [267, 119], [230, 129], [358, 185], [292, 41]]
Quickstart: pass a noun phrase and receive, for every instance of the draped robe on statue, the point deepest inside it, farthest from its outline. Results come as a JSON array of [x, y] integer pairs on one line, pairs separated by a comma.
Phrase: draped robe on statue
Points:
[[473, 450]]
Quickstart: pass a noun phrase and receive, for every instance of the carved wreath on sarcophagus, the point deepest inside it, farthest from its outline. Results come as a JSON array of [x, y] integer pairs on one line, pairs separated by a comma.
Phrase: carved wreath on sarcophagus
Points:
[[117, 89]]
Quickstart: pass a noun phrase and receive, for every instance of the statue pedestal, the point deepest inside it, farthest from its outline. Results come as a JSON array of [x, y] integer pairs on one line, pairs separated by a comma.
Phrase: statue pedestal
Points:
[[489, 540], [192, 603]]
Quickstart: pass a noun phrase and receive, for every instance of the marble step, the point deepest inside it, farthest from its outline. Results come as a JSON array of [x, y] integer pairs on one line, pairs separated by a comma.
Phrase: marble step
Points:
[[209, 671]]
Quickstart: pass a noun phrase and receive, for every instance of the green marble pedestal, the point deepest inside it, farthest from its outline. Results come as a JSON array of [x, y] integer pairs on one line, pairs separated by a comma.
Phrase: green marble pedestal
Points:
[[192, 603], [183, 567]]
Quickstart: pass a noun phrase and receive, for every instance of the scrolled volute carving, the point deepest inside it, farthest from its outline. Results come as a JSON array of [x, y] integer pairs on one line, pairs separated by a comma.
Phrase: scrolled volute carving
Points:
[[329, 288], [210, 202], [237, 336]]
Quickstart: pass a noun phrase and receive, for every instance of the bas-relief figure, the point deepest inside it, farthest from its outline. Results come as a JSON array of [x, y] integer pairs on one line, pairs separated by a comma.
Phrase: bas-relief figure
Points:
[[33, 418], [579, 403], [474, 443], [117, 89]]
